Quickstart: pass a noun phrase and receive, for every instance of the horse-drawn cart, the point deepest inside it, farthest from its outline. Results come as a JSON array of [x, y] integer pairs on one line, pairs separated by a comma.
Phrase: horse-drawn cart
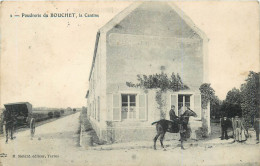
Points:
[[19, 115]]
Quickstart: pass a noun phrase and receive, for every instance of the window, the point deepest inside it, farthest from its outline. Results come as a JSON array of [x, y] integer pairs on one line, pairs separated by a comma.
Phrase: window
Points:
[[183, 100], [128, 110]]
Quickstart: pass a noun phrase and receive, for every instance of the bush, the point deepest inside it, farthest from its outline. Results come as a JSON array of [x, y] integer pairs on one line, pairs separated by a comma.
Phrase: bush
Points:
[[40, 116], [50, 114], [62, 111], [56, 114], [161, 81]]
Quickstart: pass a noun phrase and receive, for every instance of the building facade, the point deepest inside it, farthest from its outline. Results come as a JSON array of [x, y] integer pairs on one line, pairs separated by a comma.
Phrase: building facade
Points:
[[145, 38]]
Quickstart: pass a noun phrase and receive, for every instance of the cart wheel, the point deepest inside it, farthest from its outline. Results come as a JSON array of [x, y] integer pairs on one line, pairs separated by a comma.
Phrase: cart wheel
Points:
[[32, 127]]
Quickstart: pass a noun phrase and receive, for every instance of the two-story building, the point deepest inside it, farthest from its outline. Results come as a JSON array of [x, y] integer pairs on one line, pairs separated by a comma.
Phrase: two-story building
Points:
[[145, 38]]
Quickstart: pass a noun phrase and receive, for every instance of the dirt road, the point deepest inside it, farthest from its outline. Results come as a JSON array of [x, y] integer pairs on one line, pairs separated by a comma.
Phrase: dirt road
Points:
[[55, 143], [51, 142]]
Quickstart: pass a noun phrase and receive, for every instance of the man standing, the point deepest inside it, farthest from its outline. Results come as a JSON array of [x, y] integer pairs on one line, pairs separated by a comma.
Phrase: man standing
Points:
[[224, 127]]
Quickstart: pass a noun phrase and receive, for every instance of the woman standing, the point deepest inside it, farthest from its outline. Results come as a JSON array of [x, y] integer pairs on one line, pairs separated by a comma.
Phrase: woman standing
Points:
[[240, 133]]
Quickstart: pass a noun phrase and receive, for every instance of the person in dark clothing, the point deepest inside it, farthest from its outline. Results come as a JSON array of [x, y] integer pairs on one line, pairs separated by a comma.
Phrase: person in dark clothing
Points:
[[9, 123], [224, 127], [173, 116]]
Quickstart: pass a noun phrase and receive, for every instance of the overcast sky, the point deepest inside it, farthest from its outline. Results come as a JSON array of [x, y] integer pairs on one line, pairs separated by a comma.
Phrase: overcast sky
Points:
[[46, 61]]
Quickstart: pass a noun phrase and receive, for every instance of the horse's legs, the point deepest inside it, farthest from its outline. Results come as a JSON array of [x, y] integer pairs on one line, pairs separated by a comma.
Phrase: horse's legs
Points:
[[12, 130], [182, 137], [161, 139], [6, 133], [155, 139]]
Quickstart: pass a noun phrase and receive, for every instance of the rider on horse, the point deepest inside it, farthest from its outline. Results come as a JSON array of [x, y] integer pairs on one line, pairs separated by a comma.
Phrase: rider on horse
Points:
[[175, 118]]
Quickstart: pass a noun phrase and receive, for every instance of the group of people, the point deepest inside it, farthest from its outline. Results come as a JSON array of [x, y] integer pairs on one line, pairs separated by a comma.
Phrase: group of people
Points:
[[240, 132]]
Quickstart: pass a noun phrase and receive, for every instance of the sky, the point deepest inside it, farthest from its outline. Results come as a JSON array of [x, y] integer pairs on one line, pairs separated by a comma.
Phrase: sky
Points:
[[46, 61]]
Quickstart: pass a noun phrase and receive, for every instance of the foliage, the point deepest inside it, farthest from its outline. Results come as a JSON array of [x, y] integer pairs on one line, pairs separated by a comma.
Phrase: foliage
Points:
[[40, 116], [233, 96], [202, 133], [215, 108], [160, 103], [50, 114], [230, 109], [231, 106], [160, 81], [74, 110], [56, 114], [207, 95], [62, 111], [250, 97]]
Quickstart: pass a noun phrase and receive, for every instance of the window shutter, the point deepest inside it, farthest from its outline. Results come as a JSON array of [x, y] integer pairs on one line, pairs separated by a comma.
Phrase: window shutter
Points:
[[116, 107], [174, 102], [109, 106], [142, 107], [197, 105]]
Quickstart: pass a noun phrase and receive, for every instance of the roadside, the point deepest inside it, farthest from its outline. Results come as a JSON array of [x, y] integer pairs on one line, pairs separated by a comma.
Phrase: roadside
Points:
[[211, 141], [37, 124], [55, 143]]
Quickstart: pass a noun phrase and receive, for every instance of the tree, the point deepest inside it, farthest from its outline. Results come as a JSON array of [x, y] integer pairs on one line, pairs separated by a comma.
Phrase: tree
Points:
[[231, 106], [230, 110], [215, 108], [208, 95], [234, 96], [56, 114], [250, 97], [50, 114]]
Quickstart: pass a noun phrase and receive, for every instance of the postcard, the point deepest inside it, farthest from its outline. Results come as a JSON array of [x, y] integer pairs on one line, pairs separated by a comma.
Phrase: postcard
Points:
[[129, 83]]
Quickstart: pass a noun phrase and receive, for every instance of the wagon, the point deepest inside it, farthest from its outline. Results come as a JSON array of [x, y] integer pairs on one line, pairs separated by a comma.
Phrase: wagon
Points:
[[21, 113]]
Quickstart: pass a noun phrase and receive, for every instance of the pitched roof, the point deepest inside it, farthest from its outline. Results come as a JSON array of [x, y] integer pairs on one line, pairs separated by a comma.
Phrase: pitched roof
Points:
[[124, 13]]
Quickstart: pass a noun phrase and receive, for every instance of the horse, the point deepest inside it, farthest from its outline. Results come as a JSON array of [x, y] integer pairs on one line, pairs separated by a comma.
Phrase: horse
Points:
[[9, 124], [163, 126]]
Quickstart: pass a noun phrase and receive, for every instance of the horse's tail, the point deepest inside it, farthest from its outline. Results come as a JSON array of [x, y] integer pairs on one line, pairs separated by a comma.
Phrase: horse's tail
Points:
[[155, 122]]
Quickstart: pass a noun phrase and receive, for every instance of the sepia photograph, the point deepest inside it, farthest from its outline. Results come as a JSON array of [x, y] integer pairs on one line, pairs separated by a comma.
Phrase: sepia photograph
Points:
[[153, 83]]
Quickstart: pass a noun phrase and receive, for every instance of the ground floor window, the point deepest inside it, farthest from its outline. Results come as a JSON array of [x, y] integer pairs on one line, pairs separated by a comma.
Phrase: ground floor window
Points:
[[183, 101], [128, 106], [180, 101]]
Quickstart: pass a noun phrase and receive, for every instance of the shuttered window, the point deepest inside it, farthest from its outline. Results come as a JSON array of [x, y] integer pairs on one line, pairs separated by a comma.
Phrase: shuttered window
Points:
[[129, 107], [142, 107], [116, 107]]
